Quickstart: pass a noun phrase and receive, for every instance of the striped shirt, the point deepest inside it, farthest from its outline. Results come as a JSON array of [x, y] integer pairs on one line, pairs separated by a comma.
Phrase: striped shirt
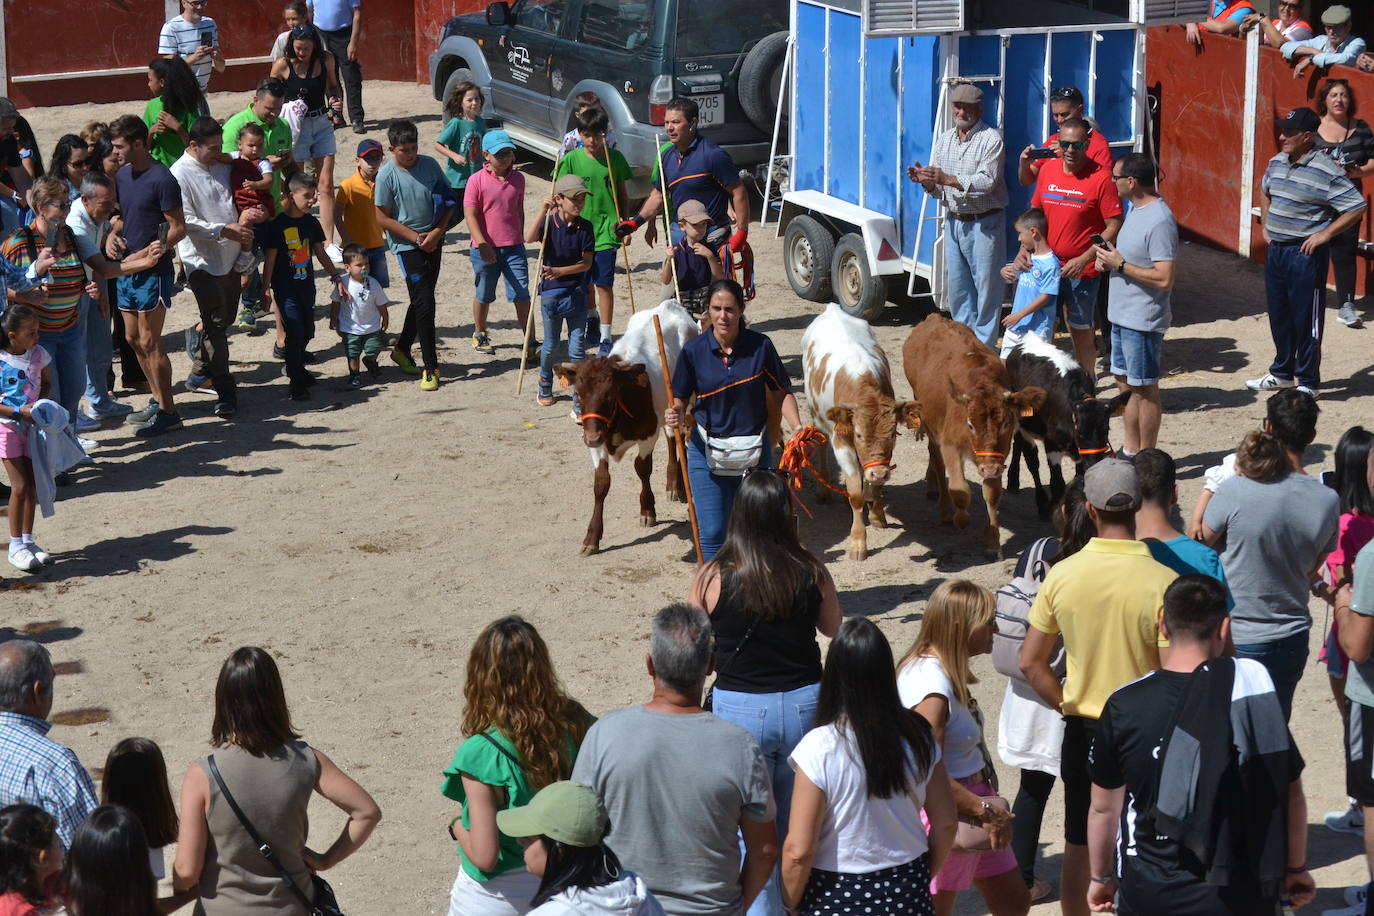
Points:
[[977, 163], [66, 280], [1305, 196], [181, 38], [36, 770]]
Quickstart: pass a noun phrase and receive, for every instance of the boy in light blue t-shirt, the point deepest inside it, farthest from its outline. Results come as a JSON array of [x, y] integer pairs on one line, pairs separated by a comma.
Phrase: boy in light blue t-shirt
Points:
[[1037, 289]]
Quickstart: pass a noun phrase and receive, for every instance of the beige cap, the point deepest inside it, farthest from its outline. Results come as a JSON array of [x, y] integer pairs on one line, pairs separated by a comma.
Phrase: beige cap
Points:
[[1336, 15], [1112, 485], [693, 212], [570, 186], [966, 94]]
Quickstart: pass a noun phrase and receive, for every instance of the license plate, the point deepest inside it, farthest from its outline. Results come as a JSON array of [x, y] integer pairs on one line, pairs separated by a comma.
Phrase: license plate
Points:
[[711, 109]]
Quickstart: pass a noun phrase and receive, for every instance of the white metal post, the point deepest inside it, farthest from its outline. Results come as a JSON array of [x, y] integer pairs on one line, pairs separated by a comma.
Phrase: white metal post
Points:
[[1247, 143]]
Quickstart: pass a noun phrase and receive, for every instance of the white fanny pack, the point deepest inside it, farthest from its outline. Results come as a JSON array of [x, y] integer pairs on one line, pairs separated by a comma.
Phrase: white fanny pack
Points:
[[731, 456]]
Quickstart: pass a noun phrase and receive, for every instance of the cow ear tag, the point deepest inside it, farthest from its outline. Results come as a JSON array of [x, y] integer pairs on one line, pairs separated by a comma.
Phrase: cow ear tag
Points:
[[1027, 411]]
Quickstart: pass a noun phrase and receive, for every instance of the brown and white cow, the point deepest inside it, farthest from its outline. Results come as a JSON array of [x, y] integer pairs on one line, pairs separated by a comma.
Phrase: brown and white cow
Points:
[[968, 410], [622, 398], [849, 391]]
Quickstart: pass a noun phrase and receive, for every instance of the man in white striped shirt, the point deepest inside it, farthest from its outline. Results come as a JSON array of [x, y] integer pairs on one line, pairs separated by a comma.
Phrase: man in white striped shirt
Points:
[[966, 173], [194, 38]]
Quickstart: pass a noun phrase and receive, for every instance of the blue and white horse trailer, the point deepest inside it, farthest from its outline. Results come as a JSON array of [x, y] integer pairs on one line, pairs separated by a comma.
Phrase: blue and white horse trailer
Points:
[[868, 84]]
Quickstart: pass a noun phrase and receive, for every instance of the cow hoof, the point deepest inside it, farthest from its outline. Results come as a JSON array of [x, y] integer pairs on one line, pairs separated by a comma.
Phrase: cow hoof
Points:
[[961, 520], [858, 553], [877, 519], [648, 521], [992, 540], [675, 496], [589, 549]]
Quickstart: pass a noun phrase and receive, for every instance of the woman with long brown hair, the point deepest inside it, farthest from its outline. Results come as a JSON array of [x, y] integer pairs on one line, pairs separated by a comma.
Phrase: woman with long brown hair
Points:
[[521, 733], [271, 773]]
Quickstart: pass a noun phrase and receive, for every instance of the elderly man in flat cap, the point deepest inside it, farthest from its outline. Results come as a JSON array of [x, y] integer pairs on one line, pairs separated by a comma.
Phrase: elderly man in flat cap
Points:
[[966, 173], [1335, 46]]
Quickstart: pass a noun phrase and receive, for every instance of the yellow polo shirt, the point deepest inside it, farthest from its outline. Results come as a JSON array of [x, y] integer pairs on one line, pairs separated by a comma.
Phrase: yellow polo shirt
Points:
[[1106, 600], [359, 212]]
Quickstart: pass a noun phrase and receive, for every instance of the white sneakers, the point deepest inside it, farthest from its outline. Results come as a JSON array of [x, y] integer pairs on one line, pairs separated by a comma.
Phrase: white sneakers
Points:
[[1269, 382], [1354, 902], [1350, 820]]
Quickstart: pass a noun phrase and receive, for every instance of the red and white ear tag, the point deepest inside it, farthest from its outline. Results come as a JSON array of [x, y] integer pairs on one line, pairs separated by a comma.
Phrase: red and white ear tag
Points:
[[1027, 411]]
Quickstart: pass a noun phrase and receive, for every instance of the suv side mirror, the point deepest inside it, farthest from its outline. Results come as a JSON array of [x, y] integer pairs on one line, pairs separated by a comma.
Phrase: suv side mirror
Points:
[[498, 13]]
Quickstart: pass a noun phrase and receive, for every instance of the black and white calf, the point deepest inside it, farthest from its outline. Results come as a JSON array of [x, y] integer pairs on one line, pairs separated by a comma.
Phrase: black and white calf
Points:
[[1071, 423]]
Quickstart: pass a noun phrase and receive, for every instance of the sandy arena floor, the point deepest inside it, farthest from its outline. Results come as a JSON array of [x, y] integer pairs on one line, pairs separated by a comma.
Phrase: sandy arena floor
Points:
[[364, 538]]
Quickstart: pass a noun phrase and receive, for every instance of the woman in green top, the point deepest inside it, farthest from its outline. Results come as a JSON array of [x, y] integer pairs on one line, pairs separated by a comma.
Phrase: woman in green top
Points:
[[172, 110], [522, 733], [460, 142]]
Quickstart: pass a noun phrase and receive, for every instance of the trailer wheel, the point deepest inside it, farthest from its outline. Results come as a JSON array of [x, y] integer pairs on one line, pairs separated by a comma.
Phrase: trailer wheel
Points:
[[857, 291], [807, 248]]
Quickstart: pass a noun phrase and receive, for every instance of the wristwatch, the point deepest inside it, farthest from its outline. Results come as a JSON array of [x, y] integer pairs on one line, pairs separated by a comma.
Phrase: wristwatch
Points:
[[1122, 268]]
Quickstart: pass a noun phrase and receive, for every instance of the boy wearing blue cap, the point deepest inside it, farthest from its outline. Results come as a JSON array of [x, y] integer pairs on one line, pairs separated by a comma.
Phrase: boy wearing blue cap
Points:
[[404, 196], [493, 202]]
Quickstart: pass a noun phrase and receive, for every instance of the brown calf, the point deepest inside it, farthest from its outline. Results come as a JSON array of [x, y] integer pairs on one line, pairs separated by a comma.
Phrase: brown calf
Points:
[[619, 414], [968, 410]]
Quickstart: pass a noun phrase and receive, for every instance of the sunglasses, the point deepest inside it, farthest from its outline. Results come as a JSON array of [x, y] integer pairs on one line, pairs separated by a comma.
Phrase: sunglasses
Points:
[[1073, 144], [1066, 94]]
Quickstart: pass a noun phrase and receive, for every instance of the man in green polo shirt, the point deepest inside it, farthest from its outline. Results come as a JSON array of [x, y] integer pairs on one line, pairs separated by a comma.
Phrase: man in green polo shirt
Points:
[[265, 111]]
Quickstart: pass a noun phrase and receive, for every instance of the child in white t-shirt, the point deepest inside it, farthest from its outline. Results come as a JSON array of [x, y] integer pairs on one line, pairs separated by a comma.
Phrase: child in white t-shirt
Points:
[[362, 318]]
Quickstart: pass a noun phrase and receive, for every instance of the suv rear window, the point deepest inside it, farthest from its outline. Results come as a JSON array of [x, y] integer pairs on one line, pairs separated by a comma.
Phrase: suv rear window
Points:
[[706, 27]]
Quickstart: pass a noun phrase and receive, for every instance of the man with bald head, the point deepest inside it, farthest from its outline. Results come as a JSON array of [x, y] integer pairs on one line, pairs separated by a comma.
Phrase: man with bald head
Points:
[[34, 769]]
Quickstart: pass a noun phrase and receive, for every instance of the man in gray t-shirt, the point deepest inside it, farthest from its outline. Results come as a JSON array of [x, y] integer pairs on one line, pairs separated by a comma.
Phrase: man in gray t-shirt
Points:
[[1142, 276], [681, 785]]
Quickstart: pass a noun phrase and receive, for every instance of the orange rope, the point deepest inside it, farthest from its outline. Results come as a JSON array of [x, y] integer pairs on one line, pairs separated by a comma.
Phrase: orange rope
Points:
[[797, 457]]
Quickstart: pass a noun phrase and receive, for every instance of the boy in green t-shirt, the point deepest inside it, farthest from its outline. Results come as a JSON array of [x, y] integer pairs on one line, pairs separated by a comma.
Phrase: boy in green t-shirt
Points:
[[590, 163]]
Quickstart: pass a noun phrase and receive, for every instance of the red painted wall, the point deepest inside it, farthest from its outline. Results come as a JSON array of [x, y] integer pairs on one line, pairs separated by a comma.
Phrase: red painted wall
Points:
[[430, 16], [1202, 105], [123, 33]]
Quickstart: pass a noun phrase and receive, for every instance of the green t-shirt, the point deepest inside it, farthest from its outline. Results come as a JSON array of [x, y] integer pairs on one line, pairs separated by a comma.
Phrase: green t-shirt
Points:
[[600, 209], [277, 141], [166, 147], [483, 761], [465, 139]]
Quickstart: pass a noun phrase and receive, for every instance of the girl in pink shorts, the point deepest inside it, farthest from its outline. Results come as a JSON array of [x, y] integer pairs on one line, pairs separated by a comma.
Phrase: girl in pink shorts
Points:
[[23, 380], [933, 679]]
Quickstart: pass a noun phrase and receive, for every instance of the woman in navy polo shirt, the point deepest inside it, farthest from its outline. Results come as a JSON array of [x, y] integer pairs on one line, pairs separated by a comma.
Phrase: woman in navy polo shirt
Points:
[[729, 369]]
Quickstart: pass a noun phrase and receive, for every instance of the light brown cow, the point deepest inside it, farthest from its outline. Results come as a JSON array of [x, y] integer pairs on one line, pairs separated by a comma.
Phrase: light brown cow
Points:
[[849, 393], [968, 410]]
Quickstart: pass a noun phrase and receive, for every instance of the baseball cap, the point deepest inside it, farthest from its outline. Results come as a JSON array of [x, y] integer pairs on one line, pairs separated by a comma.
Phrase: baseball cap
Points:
[[966, 94], [493, 141], [570, 186], [567, 812], [1336, 15], [693, 212], [368, 146], [1299, 120], [1112, 485]]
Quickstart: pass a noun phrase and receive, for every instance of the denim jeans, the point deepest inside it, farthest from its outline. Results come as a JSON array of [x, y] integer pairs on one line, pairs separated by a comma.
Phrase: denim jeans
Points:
[[99, 354], [1284, 659], [564, 305], [298, 320], [975, 251], [713, 494], [377, 267], [777, 721], [67, 371]]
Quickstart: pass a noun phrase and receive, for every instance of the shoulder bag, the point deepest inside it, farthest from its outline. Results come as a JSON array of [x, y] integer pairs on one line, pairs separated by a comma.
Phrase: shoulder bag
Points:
[[324, 903], [708, 701]]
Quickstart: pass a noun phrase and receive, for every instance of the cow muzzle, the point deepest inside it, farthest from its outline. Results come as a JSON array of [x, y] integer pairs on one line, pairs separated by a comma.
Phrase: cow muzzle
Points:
[[990, 464], [876, 471]]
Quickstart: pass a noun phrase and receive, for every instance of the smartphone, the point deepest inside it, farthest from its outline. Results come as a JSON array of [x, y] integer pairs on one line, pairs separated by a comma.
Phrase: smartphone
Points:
[[1043, 152], [207, 38], [1099, 241], [50, 237], [162, 229], [1328, 478]]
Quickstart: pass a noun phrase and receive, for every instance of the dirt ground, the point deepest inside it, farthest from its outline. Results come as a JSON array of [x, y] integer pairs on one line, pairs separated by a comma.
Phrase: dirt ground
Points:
[[365, 537]]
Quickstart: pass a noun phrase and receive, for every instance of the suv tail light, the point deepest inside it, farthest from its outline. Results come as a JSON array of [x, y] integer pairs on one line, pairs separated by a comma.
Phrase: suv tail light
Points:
[[660, 93]]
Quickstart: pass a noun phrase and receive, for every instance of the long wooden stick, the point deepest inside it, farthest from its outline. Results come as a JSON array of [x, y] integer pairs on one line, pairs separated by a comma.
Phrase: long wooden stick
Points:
[[681, 444], [535, 300], [615, 199], [667, 225]]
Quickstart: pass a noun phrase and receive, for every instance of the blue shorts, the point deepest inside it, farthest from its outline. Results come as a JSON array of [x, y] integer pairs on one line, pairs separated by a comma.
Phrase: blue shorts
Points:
[[376, 266], [603, 269], [1135, 354], [143, 292], [314, 140], [512, 263], [1080, 300]]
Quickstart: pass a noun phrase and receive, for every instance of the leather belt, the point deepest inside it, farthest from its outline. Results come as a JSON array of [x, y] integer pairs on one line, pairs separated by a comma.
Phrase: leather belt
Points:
[[972, 217], [983, 775]]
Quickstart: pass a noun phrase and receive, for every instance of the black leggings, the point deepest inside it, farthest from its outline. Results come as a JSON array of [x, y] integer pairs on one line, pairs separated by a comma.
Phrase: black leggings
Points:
[[1343, 254], [1029, 808]]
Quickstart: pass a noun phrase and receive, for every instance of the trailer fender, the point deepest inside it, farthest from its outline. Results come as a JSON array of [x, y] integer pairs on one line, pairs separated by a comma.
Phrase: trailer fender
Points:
[[878, 230]]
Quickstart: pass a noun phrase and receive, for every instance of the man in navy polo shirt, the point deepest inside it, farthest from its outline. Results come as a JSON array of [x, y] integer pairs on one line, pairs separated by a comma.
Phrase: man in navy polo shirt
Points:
[[695, 169]]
